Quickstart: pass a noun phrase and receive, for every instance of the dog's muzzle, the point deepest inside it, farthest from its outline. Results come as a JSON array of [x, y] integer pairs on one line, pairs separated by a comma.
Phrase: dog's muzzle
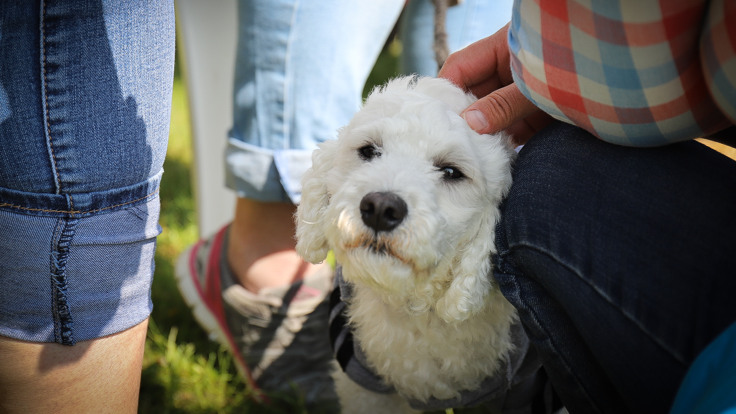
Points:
[[382, 211]]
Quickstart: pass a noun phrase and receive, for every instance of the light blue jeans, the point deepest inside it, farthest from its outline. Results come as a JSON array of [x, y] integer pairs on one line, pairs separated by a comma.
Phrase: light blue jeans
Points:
[[85, 93], [300, 71]]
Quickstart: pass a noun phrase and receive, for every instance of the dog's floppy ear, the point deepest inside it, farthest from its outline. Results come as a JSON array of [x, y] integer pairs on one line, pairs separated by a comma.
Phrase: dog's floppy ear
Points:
[[471, 282], [311, 241]]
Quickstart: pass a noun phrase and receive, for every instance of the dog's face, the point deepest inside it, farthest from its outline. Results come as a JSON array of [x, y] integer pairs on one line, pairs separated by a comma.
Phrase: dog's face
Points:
[[407, 198]]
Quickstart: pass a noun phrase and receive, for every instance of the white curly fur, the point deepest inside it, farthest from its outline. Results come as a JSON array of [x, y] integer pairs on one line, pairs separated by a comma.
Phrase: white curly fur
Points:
[[425, 310]]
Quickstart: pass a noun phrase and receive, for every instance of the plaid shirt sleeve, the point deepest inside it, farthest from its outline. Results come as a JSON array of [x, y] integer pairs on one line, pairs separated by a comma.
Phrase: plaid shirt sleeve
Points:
[[632, 72]]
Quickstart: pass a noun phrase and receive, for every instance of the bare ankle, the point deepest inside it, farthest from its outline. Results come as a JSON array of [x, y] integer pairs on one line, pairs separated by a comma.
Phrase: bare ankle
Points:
[[261, 246]]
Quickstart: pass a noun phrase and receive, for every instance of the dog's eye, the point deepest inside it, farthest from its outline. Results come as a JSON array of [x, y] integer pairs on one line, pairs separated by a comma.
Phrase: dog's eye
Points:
[[451, 173], [368, 152]]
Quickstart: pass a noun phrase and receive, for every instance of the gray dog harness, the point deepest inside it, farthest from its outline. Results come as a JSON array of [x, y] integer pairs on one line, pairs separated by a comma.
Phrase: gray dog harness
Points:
[[521, 386]]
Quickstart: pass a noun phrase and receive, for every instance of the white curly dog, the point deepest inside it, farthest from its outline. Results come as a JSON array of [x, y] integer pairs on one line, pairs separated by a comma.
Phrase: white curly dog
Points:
[[407, 198]]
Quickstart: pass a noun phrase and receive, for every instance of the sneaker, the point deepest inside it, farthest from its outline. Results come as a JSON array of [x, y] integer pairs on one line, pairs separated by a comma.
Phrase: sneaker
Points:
[[278, 337]]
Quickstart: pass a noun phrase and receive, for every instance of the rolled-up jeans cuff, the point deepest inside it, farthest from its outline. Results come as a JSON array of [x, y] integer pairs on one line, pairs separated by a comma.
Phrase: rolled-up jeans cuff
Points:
[[264, 174], [79, 274]]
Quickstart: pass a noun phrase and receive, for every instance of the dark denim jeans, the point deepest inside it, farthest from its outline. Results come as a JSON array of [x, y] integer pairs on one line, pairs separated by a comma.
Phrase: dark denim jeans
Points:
[[621, 262]]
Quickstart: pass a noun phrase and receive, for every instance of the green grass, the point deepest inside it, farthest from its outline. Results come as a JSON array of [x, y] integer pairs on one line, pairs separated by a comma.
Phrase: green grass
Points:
[[183, 371]]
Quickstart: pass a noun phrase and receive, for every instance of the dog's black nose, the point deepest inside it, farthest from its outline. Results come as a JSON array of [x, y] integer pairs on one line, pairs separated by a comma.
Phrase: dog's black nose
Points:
[[382, 211]]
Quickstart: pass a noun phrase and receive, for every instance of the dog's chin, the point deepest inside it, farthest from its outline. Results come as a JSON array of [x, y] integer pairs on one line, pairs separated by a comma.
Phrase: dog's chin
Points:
[[381, 249], [372, 254], [375, 260], [372, 248]]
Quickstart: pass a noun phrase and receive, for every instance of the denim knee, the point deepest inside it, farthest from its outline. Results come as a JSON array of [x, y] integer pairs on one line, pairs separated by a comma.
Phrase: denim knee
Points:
[[614, 257], [530, 259]]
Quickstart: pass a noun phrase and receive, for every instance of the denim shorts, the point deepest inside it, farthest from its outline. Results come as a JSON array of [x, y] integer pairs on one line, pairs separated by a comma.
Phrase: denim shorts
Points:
[[300, 71], [85, 96]]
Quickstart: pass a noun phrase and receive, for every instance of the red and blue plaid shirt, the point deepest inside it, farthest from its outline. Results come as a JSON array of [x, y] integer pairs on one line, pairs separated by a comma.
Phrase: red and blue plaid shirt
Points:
[[632, 72]]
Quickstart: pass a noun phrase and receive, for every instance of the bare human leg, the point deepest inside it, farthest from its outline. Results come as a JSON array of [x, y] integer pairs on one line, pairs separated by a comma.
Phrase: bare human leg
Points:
[[96, 376]]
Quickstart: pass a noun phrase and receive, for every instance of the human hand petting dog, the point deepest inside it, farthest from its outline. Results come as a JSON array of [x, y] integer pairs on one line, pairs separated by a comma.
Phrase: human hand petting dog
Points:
[[484, 69]]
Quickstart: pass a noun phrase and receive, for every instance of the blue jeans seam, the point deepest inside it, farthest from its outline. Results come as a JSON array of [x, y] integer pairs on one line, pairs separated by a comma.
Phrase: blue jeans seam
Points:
[[72, 211], [45, 95], [607, 299], [549, 338], [286, 96], [63, 322]]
